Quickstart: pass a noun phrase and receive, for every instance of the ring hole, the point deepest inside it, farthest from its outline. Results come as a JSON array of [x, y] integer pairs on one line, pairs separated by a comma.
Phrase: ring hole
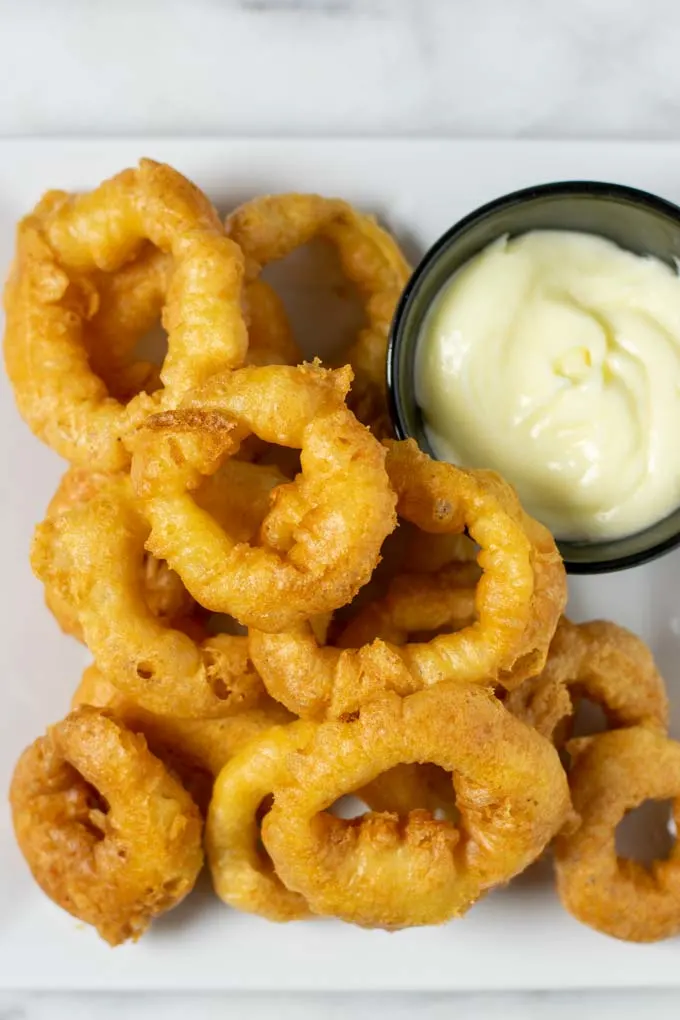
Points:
[[263, 809], [94, 817], [589, 717], [647, 833], [348, 808], [145, 670], [219, 688], [219, 623], [265, 806], [317, 295], [152, 346]]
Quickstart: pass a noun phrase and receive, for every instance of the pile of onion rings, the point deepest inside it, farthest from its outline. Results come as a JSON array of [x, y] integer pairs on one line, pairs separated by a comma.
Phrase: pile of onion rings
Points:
[[285, 606]]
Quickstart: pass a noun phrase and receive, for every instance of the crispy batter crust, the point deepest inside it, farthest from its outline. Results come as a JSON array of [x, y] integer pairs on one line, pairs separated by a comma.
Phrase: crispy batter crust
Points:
[[390, 872], [91, 556], [52, 298], [271, 227], [599, 661], [613, 773], [108, 834], [321, 538]]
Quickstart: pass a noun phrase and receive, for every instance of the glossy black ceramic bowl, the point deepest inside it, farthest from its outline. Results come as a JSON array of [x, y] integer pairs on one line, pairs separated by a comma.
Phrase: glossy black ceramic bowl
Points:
[[635, 220]]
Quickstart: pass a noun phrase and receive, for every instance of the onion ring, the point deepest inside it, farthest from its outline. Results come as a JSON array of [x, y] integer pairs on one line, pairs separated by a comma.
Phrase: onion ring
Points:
[[131, 303], [382, 871], [523, 589], [108, 834], [269, 228], [599, 661], [612, 773], [51, 298], [91, 556], [242, 875], [518, 602], [164, 594], [194, 749], [322, 536]]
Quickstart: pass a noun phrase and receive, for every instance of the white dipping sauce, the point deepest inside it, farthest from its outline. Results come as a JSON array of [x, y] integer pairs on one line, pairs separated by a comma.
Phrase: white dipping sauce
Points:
[[554, 359]]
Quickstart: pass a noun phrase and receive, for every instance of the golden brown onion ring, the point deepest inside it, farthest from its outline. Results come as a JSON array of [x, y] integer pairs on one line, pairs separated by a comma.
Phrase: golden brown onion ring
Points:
[[523, 590], [108, 834], [91, 556], [517, 603], [164, 593], [390, 872], [271, 227], [599, 661], [321, 538], [242, 873], [613, 773], [52, 297], [130, 305], [194, 749]]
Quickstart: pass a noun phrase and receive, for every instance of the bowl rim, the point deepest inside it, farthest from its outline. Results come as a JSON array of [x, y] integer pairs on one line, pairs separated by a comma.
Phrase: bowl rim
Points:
[[609, 191]]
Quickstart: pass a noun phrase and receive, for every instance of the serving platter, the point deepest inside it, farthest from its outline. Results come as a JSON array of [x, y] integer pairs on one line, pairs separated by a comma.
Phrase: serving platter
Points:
[[519, 937]]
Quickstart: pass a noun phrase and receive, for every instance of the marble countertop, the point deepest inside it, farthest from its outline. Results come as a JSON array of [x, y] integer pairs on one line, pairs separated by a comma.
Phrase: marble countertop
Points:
[[586, 68]]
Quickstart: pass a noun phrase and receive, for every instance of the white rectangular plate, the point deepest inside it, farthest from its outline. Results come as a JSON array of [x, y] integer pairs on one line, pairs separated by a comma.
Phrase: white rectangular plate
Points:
[[518, 937]]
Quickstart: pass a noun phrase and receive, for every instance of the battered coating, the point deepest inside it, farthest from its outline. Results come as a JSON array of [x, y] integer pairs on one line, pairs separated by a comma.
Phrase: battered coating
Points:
[[602, 662], [321, 538], [165, 595], [510, 619], [611, 774], [52, 297], [391, 872], [271, 227], [108, 834], [242, 873], [194, 749], [91, 556]]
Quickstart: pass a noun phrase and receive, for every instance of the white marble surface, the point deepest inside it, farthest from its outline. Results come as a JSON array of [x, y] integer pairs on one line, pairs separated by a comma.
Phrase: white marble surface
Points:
[[537, 68]]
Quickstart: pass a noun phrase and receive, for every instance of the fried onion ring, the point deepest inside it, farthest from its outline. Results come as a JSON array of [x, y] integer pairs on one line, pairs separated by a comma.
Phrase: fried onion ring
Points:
[[385, 871], [599, 661], [271, 227], [52, 298], [320, 540], [523, 590], [194, 749], [131, 304], [242, 874], [612, 774], [517, 603], [164, 593], [91, 556], [108, 834]]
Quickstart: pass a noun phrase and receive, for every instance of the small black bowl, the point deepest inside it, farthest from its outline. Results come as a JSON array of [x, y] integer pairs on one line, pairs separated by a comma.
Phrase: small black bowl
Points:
[[635, 220]]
